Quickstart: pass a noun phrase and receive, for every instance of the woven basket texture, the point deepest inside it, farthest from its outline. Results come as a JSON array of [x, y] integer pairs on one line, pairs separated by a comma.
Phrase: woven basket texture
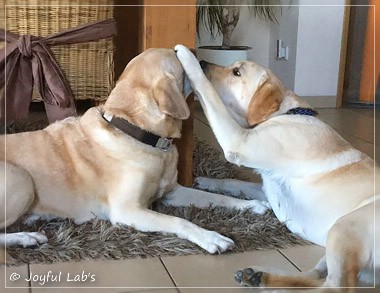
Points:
[[89, 67]]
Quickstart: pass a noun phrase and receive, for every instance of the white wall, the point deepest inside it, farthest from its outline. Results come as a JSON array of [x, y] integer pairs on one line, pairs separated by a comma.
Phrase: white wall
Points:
[[255, 33], [318, 49], [287, 31]]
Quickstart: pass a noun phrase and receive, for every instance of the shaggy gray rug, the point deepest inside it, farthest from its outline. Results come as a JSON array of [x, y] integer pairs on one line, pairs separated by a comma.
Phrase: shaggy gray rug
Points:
[[98, 239]]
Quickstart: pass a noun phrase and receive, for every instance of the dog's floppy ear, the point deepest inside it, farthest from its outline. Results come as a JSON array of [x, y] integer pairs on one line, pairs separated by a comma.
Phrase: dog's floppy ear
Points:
[[265, 101], [169, 97]]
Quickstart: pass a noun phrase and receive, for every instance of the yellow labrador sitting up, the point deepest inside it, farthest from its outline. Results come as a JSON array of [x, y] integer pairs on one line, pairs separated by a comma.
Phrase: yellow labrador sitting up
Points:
[[112, 162], [315, 181]]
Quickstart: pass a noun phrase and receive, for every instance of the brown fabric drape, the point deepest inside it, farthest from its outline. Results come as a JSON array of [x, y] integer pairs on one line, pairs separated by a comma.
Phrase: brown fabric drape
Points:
[[28, 60]]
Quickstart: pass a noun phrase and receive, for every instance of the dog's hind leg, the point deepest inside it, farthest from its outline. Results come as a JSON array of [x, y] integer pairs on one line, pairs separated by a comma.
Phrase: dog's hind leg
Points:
[[16, 197], [259, 277], [350, 248], [16, 193]]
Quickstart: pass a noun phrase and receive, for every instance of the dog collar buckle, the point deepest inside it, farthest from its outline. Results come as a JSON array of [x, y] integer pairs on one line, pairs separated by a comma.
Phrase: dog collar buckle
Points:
[[164, 144], [107, 117]]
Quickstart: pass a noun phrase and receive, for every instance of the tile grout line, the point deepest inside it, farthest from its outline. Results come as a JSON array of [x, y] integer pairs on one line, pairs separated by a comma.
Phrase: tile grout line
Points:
[[340, 132], [288, 259], [30, 281], [170, 276], [360, 114]]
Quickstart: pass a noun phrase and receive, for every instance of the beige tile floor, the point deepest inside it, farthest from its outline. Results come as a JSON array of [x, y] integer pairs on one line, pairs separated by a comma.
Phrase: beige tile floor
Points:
[[196, 273]]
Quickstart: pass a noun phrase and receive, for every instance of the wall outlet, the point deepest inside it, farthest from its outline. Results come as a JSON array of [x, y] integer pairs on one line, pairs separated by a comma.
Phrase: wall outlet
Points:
[[282, 51]]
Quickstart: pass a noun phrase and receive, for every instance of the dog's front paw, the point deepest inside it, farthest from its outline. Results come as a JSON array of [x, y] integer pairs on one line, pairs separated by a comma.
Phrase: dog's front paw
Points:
[[213, 242], [25, 239], [249, 278], [189, 63], [187, 58]]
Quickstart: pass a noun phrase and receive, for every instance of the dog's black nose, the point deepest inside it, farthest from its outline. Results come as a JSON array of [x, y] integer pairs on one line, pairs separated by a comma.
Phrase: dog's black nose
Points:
[[203, 64]]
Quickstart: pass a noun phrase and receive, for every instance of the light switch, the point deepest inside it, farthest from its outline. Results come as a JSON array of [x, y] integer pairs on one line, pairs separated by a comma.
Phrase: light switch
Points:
[[282, 51]]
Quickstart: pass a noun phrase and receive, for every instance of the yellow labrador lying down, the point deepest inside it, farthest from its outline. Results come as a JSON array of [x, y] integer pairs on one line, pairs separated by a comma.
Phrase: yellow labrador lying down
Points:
[[314, 180], [112, 162]]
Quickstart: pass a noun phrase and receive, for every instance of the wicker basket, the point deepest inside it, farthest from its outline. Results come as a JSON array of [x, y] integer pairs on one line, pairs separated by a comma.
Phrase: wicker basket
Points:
[[89, 67]]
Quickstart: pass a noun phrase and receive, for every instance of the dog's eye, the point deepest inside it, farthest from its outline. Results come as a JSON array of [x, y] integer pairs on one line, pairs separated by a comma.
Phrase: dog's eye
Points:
[[236, 72]]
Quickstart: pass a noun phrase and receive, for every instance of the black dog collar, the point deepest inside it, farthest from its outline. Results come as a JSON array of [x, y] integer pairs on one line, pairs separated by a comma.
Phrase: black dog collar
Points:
[[162, 143], [302, 111]]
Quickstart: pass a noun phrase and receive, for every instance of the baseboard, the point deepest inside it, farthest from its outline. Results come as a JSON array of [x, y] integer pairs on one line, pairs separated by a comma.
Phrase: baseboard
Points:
[[321, 101]]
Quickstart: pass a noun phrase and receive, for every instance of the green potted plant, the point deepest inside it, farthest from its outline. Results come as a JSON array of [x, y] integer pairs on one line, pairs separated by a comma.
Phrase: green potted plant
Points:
[[222, 17]]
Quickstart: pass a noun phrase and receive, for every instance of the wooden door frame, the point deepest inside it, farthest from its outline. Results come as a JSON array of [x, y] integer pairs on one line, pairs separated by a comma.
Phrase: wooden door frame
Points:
[[369, 65], [343, 53]]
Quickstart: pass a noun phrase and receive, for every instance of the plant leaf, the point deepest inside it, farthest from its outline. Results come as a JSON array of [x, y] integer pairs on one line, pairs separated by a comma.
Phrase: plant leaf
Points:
[[210, 12]]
